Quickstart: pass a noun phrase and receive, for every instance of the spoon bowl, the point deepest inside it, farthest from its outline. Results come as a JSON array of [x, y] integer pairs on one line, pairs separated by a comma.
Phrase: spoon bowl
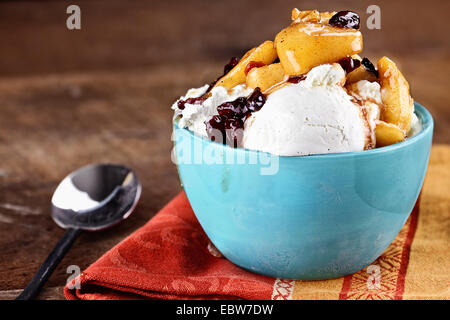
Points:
[[95, 197], [92, 198]]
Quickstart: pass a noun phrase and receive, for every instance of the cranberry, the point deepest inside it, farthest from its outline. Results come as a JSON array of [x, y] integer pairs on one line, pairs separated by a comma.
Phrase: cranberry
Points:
[[234, 108], [233, 123], [217, 122], [199, 100], [256, 100], [230, 65], [349, 64], [229, 123], [216, 129], [253, 64], [296, 79], [345, 19], [369, 66], [234, 132]]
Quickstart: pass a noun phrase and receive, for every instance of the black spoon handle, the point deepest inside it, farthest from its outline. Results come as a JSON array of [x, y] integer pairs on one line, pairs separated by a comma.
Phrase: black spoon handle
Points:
[[49, 264]]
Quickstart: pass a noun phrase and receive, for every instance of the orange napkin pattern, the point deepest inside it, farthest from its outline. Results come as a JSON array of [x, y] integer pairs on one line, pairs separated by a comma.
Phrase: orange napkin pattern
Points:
[[168, 258]]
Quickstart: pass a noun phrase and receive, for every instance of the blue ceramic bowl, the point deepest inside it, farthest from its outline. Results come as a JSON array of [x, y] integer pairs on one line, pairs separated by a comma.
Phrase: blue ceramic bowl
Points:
[[306, 217]]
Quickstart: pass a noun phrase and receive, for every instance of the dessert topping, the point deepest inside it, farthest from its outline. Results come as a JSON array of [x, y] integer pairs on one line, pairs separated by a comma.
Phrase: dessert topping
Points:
[[228, 124], [253, 64], [296, 79], [349, 64], [215, 128], [256, 100], [345, 19], [198, 100], [230, 65], [369, 66]]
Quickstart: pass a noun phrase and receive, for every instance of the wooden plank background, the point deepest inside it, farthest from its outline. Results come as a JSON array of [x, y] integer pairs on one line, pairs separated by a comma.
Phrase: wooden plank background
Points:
[[103, 93]]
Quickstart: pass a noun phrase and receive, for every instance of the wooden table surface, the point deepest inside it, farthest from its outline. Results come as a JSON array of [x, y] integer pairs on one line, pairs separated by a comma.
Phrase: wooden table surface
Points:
[[103, 94]]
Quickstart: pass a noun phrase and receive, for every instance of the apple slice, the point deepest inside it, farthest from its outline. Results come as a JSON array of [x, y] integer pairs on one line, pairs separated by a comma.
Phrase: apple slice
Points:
[[265, 77], [304, 45], [387, 133], [398, 104], [264, 53], [311, 16], [361, 73], [366, 71]]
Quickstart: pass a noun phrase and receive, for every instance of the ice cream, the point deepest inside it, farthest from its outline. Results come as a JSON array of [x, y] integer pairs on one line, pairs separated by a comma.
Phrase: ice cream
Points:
[[315, 116], [307, 92], [195, 115]]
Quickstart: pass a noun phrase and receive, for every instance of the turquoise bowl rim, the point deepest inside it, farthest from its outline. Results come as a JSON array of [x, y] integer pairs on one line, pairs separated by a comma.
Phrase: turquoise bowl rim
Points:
[[422, 113]]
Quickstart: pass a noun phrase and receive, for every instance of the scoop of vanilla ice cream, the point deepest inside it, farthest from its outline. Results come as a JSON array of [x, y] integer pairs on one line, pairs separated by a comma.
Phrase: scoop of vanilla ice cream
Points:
[[315, 116], [193, 116]]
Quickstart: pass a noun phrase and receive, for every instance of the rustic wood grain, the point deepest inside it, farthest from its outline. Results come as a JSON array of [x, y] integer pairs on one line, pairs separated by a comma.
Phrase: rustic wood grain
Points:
[[68, 98]]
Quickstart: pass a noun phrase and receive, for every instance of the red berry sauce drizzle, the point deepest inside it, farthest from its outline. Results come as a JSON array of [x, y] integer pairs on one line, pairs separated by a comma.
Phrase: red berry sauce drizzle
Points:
[[253, 64], [296, 79], [227, 127], [199, 100]]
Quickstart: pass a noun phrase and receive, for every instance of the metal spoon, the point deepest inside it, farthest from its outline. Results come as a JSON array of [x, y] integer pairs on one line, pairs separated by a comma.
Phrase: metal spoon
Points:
[[92, 198]]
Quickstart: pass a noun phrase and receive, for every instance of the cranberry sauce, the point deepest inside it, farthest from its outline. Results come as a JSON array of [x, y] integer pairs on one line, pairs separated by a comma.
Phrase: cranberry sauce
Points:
[[296, 79], [215, 127], [253, 64], [230, 65], [349, 64], [369, 66], [345, 19], [227, 127], [198, 100]]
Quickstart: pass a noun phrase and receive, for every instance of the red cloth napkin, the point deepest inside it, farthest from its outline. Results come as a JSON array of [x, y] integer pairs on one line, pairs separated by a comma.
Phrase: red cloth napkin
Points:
[[168, 258]]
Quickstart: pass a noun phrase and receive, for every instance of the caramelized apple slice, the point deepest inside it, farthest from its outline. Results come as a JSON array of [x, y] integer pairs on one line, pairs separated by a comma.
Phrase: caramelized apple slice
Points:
[[366, 71], [304, 45], [360, 73], [311, 16], [265, 53], [265, 77], [398, 104], [387, 133]]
